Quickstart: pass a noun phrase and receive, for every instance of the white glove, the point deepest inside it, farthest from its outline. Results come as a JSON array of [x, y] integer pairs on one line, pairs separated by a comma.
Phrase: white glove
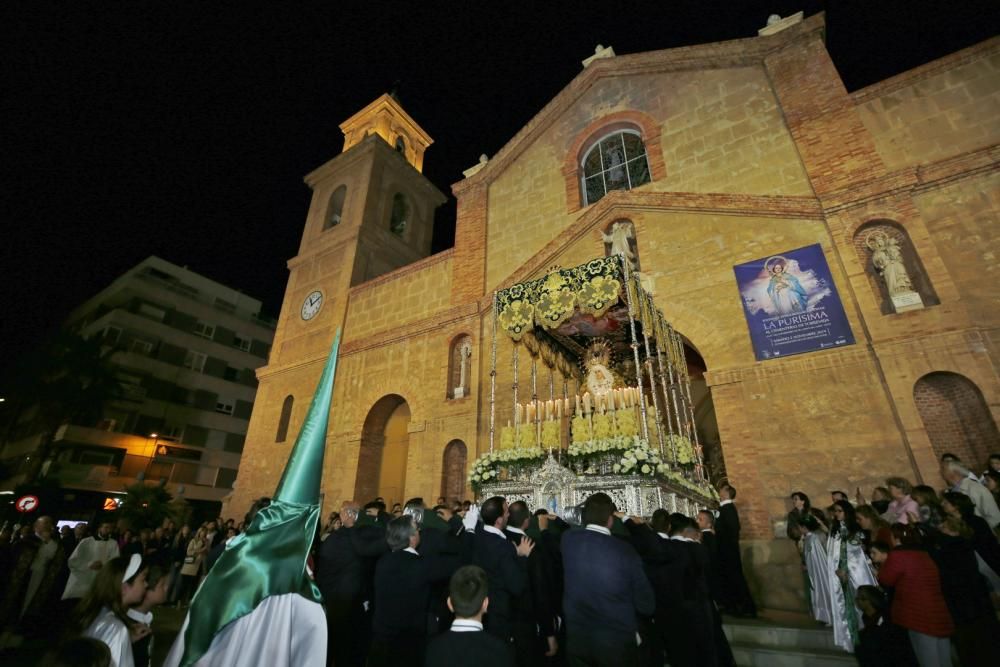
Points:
[[471, 518]]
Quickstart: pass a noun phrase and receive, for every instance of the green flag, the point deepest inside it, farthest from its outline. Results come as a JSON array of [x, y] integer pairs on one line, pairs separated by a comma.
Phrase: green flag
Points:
[[269, 559]]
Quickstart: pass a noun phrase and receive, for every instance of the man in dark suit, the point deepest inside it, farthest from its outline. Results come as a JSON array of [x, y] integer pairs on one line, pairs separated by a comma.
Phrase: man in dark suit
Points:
[[506, 566], [605, 588], [534, 625], [706, 522], [402, 592], [733, 589], [340, 576], [466, 645]]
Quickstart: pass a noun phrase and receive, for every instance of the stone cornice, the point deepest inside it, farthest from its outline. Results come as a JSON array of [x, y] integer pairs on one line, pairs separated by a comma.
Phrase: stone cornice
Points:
[[435, 322], [419, 265], [749, 52], [859, 353], [916, 179], [927, 71], [624, 202]]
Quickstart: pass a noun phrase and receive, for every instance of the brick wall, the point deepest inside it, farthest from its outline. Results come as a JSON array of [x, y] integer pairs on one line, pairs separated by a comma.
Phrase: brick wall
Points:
[[956, 418]]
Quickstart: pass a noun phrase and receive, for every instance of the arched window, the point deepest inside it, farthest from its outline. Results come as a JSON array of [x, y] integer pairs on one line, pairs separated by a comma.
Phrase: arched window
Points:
[[956, 417], [400, 145], [453, 471], [615, 162], [459, 366], [336, 208], [399, 219], [286, 416]]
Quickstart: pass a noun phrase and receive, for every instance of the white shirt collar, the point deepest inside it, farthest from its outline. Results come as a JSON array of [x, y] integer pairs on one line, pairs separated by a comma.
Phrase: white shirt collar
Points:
[[725, 502], [598, 529], [466, 625], [681, 538], [145, 618], [664, 536], [516, 531], [494, 530], [412, 551]]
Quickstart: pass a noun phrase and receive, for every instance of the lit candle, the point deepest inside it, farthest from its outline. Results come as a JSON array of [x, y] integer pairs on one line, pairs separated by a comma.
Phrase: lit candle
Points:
[[586, 402], [559, 409], [576, 397], [519, 414], [565, 406]]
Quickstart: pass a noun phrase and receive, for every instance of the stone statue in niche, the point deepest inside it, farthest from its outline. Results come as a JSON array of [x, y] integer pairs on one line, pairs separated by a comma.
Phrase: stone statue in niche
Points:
[[621, 241], [887, 258], [464, 355]]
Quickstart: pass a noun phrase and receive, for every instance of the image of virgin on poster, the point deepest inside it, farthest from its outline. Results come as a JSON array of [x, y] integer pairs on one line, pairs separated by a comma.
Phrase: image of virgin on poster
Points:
[[791, 304]]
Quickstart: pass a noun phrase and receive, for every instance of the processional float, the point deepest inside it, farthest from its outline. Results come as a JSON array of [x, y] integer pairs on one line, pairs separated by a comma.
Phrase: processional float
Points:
[[608, 407]]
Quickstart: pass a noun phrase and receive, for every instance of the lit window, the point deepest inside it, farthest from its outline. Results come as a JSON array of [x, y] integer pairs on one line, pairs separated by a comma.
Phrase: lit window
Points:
[[616, 162], [204, 330], [195, 361]]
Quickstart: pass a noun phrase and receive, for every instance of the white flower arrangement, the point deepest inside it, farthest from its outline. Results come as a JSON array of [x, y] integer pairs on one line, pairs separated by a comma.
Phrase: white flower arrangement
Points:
[[604, 445], [641, 459], [486, 468]]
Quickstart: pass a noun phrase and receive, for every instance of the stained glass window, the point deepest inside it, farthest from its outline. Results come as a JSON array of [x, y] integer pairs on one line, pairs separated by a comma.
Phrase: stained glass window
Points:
[[616, 162]]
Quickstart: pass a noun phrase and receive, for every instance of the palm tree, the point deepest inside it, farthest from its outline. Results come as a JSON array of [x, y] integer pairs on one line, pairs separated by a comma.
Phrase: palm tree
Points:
[[68, 384]]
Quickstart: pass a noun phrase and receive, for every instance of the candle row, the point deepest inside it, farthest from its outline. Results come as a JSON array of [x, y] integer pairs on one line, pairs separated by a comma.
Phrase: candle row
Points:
[[541, 410], [616, 399]]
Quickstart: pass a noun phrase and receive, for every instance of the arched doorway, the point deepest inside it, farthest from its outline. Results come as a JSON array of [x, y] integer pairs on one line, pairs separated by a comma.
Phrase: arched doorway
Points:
[[704, 416], [384, 449], [956, 417], [453, 471]]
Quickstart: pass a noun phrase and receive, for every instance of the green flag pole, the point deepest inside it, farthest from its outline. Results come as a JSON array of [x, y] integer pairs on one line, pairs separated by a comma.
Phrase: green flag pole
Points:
[[270, 557]]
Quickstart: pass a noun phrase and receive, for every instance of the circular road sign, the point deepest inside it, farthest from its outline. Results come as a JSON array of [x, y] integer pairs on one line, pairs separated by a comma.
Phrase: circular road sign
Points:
[[27, 503]]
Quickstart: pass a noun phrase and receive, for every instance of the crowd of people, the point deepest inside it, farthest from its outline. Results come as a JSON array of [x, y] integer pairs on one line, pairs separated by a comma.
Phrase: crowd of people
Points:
[[906, 578], [500, 584], [911, 575], [67, 582]]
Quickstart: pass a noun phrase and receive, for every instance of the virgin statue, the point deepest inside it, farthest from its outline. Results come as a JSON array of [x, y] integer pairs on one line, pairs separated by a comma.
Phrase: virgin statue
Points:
[[888, 261], [785, 290]]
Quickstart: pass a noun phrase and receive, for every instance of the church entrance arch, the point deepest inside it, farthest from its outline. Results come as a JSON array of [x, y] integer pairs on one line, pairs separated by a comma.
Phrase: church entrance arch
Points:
[[453, 471], [956, 417], [384, 450], [704, 416]]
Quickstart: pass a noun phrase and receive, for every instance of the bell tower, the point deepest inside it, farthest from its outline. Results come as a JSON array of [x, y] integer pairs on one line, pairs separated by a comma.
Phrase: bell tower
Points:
[[372, 212]]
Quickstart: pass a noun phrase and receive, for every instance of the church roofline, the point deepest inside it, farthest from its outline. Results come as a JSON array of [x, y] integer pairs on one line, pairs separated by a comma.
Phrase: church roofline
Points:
[[745, 52]]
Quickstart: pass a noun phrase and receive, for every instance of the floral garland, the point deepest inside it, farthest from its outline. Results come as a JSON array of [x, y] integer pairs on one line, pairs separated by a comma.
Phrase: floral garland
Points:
[[486, 468]]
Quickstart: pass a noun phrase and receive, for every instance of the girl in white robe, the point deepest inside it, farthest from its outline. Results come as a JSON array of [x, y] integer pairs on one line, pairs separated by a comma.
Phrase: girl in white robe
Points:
[[849, 568], [818, 568], [120, 584]]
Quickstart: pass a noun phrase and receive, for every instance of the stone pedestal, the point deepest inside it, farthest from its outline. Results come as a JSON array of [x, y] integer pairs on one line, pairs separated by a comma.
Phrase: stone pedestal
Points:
[[905, 301]]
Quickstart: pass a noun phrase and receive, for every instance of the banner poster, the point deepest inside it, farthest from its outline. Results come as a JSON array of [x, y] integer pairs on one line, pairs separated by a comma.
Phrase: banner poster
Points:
[[791, 304]]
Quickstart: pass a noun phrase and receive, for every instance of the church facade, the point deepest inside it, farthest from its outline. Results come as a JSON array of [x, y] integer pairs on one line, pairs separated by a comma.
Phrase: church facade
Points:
[[713, 156]]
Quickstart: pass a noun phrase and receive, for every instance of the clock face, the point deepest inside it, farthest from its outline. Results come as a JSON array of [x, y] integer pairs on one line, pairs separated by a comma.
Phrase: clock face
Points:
[[312, 304], [599, 379]]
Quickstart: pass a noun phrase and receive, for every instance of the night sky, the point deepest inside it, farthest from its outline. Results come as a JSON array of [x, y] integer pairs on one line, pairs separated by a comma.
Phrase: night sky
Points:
[[184, 129]]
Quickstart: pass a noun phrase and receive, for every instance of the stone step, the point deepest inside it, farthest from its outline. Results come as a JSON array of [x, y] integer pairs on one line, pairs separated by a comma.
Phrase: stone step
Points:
[[764, 643], [776, 636], [751, 655]]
